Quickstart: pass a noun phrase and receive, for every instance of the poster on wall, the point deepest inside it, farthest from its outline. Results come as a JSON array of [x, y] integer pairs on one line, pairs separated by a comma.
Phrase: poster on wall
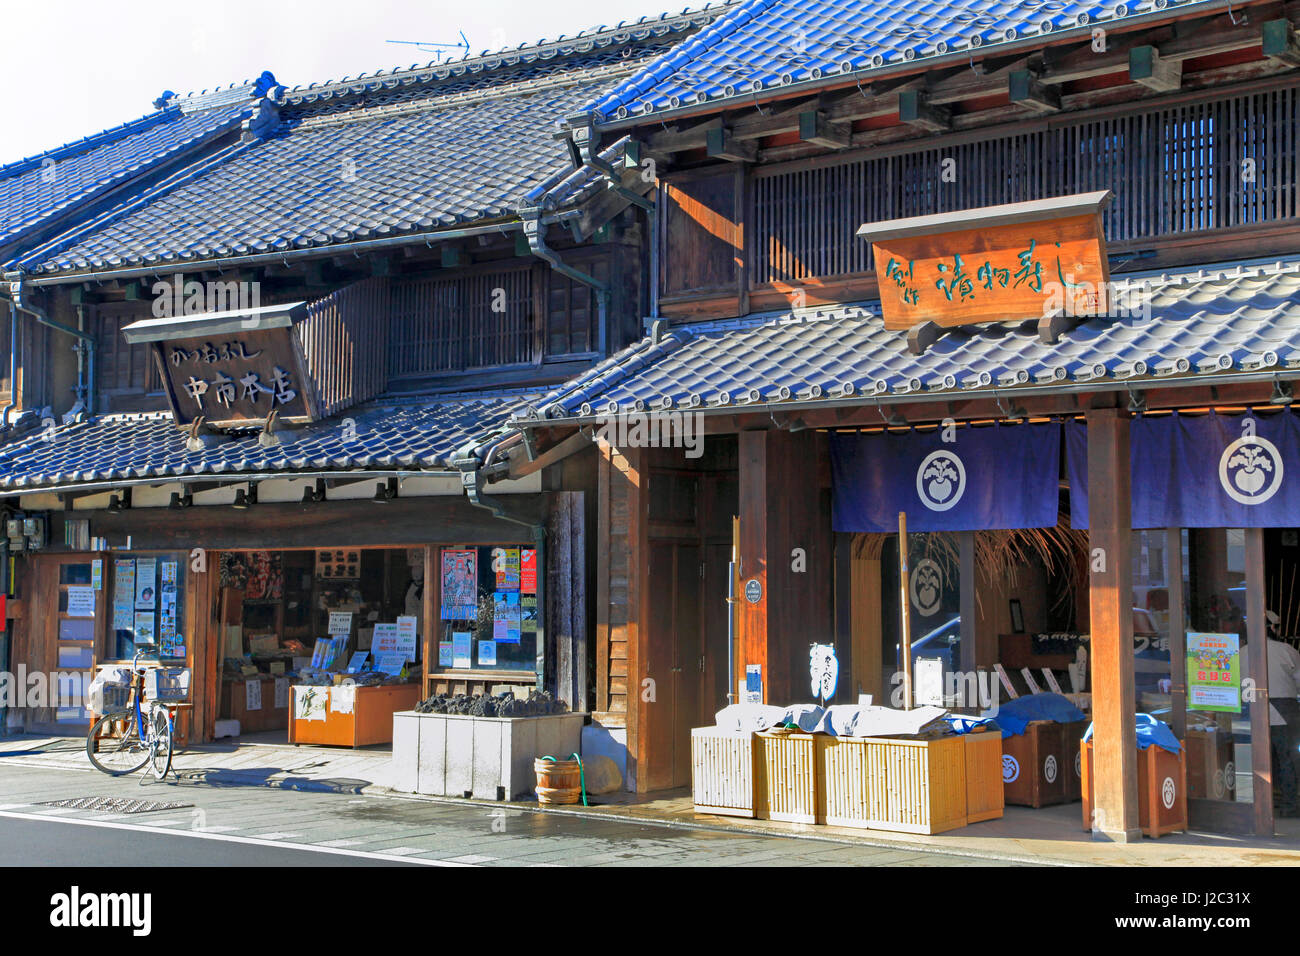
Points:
[[528, 614], [97, 574], [459, 585], [173, 645], [528, 571], [144, 632], [253, 695], [461, 647], [81, 602], [487, 653], [407, 633], [444, 654], [505, 562], [123, 594], [146, 573], [1214, 672], [506, 617]]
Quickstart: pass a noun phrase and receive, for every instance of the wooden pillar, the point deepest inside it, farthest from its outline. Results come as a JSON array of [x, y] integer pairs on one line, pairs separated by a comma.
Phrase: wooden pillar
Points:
[[1114, 748], [751, 616], [1257, 638]]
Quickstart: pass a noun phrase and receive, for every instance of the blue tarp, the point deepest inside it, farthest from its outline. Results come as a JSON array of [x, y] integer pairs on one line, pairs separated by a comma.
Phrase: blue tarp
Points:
[[1014, 716], [1150, 732]]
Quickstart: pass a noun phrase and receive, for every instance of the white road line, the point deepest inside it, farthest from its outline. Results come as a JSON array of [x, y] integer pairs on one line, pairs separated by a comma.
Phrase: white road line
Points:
[[471, 859], [337, 843], [405, 850], [275, 835], [308, 847], [216, 829]]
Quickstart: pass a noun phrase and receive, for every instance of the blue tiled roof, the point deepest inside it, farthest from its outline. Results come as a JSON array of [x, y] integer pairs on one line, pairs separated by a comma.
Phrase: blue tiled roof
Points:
[[123, 447], [1202, 324], [766, 46], [377, 156], [38, 188]]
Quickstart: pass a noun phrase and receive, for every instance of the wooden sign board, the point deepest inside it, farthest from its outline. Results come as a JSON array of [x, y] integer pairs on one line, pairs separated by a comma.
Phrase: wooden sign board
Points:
[[236, 378], [996, 264]]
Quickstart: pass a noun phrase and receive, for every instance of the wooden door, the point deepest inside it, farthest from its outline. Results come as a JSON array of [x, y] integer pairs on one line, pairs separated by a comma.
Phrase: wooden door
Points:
[[64, 645], [659, 668], [713, 624], [688, 669]]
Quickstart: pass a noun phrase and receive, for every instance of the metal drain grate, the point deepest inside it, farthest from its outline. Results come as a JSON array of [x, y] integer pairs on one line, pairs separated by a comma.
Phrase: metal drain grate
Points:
[[113, 805]]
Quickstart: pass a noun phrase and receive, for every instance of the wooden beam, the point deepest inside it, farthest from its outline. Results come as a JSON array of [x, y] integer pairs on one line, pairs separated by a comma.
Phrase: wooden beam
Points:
[[1025, 89], [914, 109], [520, 466], [722, 145], [1114, 743], [1279, 42], [1147, 67], [815, 128]]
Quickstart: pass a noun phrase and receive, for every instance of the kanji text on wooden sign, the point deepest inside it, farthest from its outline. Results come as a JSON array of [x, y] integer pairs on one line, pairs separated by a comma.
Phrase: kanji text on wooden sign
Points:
[[240, 376], [996, 264]]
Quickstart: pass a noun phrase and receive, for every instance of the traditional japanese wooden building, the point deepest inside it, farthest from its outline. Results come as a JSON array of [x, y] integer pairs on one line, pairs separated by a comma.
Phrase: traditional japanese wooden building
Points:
[[1147, 148], [299, 320]]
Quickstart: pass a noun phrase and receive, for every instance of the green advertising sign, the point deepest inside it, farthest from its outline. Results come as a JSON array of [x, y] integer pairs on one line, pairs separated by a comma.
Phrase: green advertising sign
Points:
[[1214, 672]]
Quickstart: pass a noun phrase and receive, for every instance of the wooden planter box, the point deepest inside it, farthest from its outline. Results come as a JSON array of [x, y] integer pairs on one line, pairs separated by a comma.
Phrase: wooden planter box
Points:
[[1211, 773], [912, 786], [1034, 765], [984, 793], [786, 777], [722, 771], [488, 758], [1162, 790], [354, 716], [1074, 759]]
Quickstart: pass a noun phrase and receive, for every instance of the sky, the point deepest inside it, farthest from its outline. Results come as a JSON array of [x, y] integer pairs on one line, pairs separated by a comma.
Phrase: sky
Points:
[[74, 68]]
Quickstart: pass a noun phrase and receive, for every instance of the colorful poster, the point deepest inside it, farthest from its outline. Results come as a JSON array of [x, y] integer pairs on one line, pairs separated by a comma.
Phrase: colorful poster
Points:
[[506, 617], [97, 574], [459, 585], [528, 614], [461, 648], [487, 653], [505, 562], [123, 594], [172, 644], [1214, 672], [146, 573], [81, 602], [528, 573], [144, 632], [444, 654]]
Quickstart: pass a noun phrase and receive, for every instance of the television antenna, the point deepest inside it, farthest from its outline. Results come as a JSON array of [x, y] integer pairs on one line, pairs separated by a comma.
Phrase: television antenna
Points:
[[437, 49]]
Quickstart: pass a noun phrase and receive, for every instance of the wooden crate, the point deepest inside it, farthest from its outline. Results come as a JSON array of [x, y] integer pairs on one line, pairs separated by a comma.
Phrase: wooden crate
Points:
[[1034, 765], [723, 772], [368, 721], [1211, 774], [786, 777], [1074, 759], [1162, 790], [880, 783], [984, 794]]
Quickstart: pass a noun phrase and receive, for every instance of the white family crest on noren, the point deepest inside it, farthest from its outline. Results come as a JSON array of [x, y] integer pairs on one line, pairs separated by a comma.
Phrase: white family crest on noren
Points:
[[940, 480], [1250, 470], [926, 587]]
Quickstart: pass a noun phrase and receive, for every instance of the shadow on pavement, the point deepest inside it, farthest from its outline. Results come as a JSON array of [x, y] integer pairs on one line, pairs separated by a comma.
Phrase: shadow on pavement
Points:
[[269, 777]]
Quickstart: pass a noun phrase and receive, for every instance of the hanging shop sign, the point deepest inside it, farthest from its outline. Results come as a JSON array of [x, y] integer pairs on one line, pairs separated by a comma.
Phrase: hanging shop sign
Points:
[[231, 368], [999, 476], [995, 264], [1202, 471]]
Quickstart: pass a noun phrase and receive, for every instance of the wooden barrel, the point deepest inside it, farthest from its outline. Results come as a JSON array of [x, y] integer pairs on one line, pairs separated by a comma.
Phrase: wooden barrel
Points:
[[558, 781]]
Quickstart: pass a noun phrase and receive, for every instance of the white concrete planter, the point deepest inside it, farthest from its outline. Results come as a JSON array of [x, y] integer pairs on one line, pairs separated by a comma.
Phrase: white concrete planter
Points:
[[489, 758]]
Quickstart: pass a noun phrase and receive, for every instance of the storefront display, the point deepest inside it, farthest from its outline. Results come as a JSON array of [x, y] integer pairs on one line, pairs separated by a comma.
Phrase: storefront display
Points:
[[489, 611]]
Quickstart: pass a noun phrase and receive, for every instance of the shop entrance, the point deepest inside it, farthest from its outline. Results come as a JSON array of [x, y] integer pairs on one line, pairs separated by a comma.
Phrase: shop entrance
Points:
[[690, 550]]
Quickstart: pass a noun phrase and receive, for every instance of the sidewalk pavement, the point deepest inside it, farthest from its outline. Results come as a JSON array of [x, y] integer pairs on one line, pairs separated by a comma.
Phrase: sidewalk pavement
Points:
[[1051, 835]]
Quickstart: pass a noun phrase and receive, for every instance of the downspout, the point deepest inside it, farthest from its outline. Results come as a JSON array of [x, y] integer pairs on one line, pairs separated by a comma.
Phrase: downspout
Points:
[[13, 367], [473, 477], [85, 348], [535, 233]]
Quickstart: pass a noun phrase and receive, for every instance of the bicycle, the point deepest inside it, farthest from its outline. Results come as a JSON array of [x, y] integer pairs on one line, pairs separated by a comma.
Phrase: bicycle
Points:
[[122, 742]]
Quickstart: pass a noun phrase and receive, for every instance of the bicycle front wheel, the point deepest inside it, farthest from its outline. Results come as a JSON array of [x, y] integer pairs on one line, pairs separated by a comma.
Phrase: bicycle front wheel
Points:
[[113, 745], [160, 744]]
